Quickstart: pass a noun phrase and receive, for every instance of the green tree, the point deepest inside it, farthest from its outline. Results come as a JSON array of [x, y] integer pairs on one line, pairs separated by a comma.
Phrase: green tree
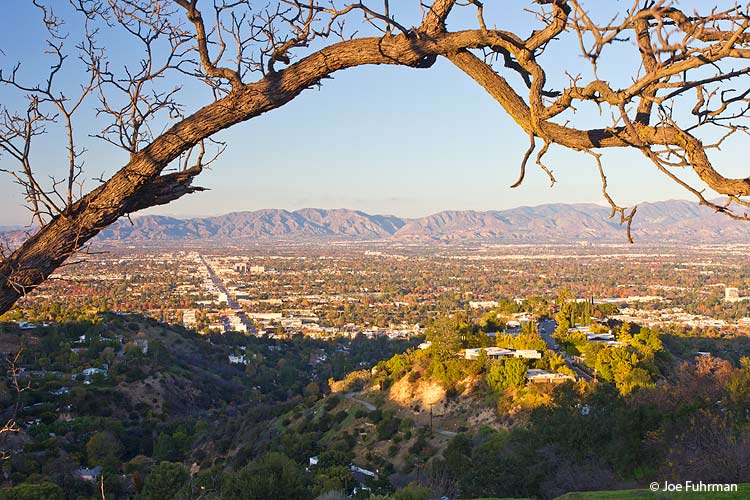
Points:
[[412, 492], [165, 448], [73, 360], [647, 341], [482, 362], [515, 372], [107, 355], [336, 478], [561, 332], [104, 449], [273, 477], [445, 335], [510, 372], [39, 491], [312, 390], [165, 481], [529, 328], [632, 379], [625, 335], [489, 322], [458, 456], [738, 385]]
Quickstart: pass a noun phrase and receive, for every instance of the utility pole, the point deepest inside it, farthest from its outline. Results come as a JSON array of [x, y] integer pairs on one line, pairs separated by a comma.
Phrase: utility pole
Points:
[[431, 417]]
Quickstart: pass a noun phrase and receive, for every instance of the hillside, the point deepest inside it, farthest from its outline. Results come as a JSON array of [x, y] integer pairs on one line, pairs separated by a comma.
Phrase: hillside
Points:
[[260, 224], [454, 424], [743, 491], [126, 393], [675, 220], [145, 400]]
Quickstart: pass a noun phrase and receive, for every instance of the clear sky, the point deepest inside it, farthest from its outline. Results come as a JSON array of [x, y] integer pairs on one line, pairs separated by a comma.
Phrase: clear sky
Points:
[[380, 139]]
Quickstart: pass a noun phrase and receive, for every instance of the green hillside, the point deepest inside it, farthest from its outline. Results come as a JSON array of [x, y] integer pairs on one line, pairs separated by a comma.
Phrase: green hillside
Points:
[[743, 492]]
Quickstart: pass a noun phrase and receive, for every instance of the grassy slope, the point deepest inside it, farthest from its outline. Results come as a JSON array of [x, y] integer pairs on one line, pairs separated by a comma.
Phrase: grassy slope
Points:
[[742, 493]]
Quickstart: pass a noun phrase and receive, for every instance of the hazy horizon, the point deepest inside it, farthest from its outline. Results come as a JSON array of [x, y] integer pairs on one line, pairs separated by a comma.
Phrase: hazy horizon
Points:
[[185, 216]]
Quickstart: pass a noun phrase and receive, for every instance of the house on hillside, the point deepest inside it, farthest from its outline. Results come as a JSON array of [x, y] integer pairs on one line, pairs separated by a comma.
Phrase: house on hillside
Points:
[[537, 375], [527, 354], [362, 475], [238, 360], [606, 338], [513, 327], [500, 352], [88, 373], [90, 475], [141, 342]]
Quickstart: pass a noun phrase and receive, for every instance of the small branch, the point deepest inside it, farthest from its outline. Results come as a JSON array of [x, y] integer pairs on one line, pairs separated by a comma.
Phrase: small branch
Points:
[[11, 425], [624, 219], [544, 167], [526, 156]]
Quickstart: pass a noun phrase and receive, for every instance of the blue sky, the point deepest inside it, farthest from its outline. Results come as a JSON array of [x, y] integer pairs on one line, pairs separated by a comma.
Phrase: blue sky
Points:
[[379, 139]]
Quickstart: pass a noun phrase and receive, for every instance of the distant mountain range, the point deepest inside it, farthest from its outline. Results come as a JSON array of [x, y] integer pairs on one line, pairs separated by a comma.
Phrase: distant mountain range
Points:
[[664, 221], [673, 220]]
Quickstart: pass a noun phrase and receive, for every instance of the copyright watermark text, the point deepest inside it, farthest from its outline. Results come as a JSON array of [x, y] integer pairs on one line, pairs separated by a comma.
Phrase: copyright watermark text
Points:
[[693, 486]]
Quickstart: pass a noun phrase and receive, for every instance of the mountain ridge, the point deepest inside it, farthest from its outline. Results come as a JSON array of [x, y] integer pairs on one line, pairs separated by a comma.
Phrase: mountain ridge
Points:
[[672, 220]]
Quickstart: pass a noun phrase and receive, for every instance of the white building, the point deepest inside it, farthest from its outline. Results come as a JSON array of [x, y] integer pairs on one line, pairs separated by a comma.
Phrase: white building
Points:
[[141, 342], [188, 319], [538, 375], [90, 475], [236, 324], [732, 294], [482, 304], [591, 337], [500, 352], [238, 360]]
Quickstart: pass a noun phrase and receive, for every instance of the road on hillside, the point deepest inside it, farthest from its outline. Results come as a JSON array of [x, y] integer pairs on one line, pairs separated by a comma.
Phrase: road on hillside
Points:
[[546, 328], [350, 396]]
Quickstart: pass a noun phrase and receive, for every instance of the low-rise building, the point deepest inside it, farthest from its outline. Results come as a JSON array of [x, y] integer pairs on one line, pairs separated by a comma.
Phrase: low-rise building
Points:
[[538, 375], [90, 475], [188, 319], [238, 360], [500, 352], [141, 342]]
